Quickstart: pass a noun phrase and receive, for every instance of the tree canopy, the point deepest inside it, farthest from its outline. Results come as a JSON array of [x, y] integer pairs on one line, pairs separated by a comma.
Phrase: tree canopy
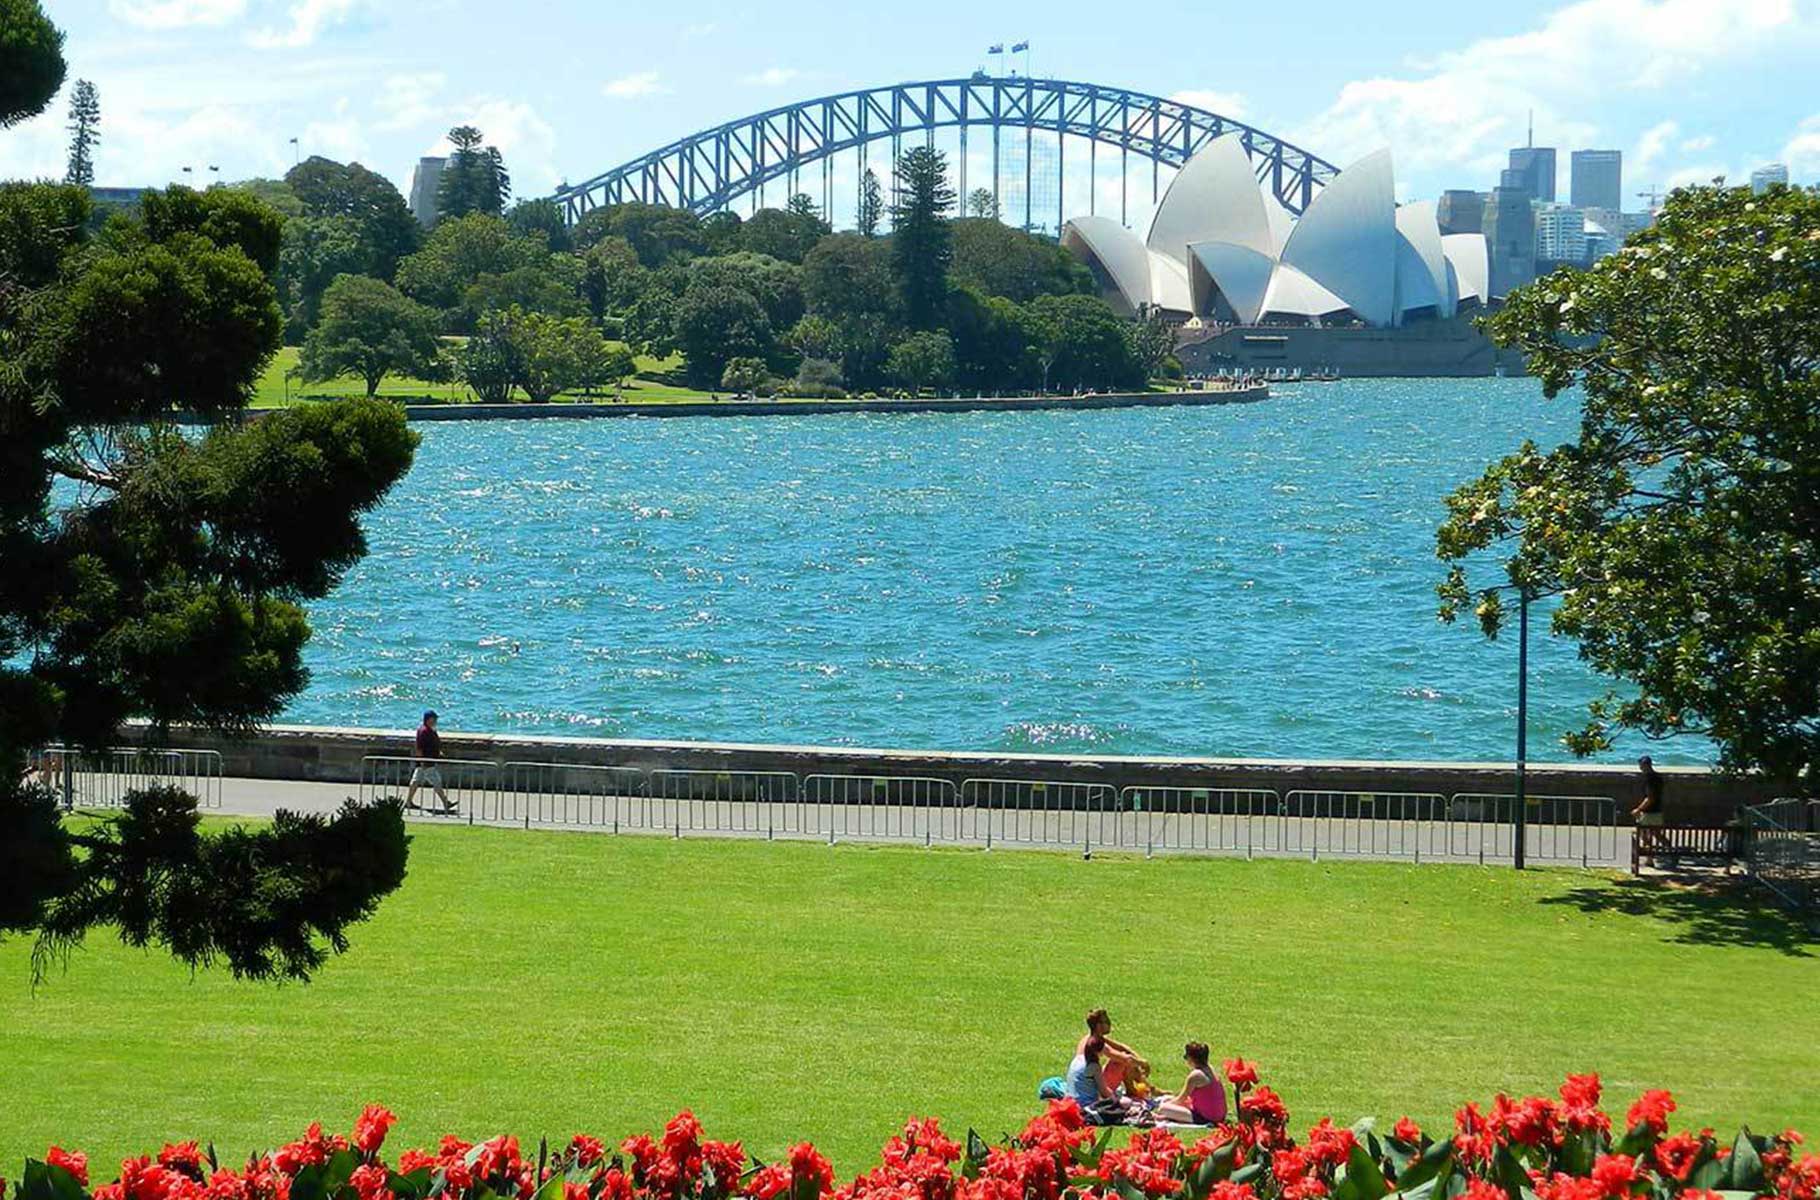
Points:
[[921, 239], [165, 577], [31, 60], [370, 330], [1678, 535], [85, 133], [474, 178]]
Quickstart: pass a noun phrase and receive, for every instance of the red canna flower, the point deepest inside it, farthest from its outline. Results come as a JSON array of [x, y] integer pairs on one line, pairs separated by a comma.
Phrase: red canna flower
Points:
[[1241, 1074], [807, 1164], [1615, 1174], [1264, 1106], [574, 1191], [1225, 1189], [1675, 1156], [1651, 1110], [1483, 1189], [73, 1161], [415, 1160], [771, 1180], [1801, 1180], [1567, 1187], [1580, 1104], [1474, 1138], [727, 1160], [370, 1128], [615, 1184], [588, 1150], [1406, 1130], [369, 1182]]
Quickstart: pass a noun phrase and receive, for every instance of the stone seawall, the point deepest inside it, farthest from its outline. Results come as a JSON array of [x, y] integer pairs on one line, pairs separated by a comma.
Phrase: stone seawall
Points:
[[333, 755], [809, 408]]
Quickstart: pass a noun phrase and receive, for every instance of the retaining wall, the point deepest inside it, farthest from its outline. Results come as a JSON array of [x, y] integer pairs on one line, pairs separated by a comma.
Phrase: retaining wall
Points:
[[333, 755], [812, 408]]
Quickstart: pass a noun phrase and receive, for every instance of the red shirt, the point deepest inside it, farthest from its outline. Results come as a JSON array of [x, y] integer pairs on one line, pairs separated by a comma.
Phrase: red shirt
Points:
[[429, 745]]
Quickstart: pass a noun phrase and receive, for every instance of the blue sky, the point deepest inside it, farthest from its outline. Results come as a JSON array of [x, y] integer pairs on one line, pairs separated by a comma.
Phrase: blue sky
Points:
[[1686, 88]]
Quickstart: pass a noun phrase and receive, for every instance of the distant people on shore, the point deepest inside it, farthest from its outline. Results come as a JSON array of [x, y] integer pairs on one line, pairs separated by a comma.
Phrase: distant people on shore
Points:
[[1649, 807], [424, 770], [1110, 1082]]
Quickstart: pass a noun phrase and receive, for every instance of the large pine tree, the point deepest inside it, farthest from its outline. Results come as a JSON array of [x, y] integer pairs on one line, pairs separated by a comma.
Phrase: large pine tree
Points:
[[85, 133], [922, 244]]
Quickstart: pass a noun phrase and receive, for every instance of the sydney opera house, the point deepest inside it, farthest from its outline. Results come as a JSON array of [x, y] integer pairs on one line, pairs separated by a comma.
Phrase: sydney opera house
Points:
[[1221, 251]]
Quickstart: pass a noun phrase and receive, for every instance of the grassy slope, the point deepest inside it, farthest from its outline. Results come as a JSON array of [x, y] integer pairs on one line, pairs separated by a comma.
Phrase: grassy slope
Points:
[[541, 982], [272, 393]]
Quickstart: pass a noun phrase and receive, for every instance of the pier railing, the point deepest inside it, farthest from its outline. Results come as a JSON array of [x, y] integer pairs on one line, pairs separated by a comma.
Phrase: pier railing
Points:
[[84, 779], [989, 813], [1782, 851]]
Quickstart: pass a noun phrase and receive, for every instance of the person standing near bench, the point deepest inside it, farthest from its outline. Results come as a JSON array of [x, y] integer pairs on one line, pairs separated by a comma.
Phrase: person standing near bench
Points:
[[1648, 813], [424, 771]]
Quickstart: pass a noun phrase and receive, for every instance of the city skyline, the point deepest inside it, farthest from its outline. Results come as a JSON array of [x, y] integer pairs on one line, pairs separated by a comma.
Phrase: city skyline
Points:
[[1686, 89]]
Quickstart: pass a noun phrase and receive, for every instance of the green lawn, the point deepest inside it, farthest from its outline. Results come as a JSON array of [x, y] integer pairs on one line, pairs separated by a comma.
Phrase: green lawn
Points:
[[274, 392], [545, 982]]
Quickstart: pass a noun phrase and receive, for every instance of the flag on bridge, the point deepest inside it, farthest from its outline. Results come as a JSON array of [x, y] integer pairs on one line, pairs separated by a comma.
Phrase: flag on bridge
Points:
[[996, 48], [1020, 46]]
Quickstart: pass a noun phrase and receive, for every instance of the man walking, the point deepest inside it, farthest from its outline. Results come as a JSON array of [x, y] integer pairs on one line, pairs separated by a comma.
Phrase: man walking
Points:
[[424, 771]]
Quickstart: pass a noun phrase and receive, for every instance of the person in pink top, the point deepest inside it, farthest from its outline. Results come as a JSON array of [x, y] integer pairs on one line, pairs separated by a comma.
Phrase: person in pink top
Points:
[[1202, 1100]]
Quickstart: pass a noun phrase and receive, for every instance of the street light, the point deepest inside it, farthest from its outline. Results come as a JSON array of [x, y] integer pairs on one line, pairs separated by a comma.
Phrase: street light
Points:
[[1521, 818]]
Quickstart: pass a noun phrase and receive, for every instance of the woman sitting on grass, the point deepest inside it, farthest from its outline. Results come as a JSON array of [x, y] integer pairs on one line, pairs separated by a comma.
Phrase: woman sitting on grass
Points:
[[1202, 1100], [1100, 1102]]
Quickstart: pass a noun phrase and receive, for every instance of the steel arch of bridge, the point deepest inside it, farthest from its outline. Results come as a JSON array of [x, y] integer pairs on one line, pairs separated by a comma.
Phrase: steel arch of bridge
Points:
[[707, 171]]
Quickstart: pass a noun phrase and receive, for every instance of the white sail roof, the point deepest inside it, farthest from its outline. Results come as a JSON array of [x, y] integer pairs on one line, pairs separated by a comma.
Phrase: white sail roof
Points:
[[1471, 262], [1293, 294], [1241, 273], [1347, 239], [1117, 252], [1421, 261], [1214, 197]]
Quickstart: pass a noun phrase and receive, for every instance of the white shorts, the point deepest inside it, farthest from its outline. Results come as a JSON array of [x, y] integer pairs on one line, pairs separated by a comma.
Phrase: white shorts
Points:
[[426, 777]]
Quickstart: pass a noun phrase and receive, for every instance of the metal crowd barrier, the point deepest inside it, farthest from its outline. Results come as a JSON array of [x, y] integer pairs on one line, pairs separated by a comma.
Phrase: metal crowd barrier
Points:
[[880, 808], [470, 786], [1397, 826], [748, 803], [1782, 851], [1562, 829], [105, 780]]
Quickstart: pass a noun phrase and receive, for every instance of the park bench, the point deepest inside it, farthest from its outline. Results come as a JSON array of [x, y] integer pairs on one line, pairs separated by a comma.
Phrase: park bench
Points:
[[1722, 843]]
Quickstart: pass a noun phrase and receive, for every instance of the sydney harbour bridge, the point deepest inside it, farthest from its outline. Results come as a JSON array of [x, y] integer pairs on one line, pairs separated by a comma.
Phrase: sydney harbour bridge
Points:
[[798, 146]]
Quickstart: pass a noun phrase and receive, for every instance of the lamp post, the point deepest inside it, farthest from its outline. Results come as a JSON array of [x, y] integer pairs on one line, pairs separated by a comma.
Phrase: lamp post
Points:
[[1520, 818]]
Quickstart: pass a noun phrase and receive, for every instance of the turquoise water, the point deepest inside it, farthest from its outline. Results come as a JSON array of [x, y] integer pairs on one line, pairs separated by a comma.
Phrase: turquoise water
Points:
[[1254, 580]]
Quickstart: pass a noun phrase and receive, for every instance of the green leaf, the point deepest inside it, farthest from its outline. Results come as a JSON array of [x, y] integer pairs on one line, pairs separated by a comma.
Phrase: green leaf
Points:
[[44, 1181], [552, 1188], [412, 1186], [1746, 1164], [1636, 1141], [309, 1183], [1128, 1191], [1428, 1166], [338, 1170], [1362, 1179], [1249, 1173], [1579, 1150]]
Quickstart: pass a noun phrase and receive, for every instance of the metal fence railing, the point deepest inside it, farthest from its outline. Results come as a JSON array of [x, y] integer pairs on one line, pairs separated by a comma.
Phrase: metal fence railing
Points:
[[1782, 851], [989, 812], [1558, 829], [105, 779], [437, 787]]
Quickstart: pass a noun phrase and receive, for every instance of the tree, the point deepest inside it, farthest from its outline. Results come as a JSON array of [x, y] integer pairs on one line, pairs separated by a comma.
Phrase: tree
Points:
[[31, 61], [314, 252], [720, 232], [473, 178], [815, 336], [991, 347], [715, 324], [744, 376], [923, 359], [921, 243], [1082, 343], [871, 205], [848, 280], [776, 285], [371, 330], [1002, 261], [387, 230], [488, 361], [982, 203], [557, 354], [788, 236], [657, 233], [85, 133], [552, 284], [541, 218], [1152, 339], [169, 580], [458, 252], [1677, 535], [612, 279]]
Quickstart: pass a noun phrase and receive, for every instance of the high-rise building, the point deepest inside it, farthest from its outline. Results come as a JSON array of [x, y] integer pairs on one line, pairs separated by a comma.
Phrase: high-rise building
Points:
[[1598, 179], [1764, 176], [1560, 234], [1510, 238], [1461, 210], [424, 182], [1534, 168]]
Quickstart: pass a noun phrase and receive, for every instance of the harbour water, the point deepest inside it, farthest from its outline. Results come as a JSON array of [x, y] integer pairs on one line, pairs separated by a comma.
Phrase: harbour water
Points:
[[1254, 580]]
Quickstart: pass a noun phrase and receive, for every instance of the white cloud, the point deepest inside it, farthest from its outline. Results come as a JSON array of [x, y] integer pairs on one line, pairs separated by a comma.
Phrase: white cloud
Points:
[[1697, 143], [525, 140], [1802, 153], [1226, 104], [176, 14], [308, 20], [406, 100], [772, 76], [1461, 110], [1650, 148], [626, 87]]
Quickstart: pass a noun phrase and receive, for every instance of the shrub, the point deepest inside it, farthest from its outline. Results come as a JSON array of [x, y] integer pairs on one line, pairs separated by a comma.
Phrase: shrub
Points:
[[1536, 1148]]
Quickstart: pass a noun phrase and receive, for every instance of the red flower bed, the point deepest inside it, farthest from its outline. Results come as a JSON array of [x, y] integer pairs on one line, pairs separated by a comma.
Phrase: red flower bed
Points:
[[1534, 1148]]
